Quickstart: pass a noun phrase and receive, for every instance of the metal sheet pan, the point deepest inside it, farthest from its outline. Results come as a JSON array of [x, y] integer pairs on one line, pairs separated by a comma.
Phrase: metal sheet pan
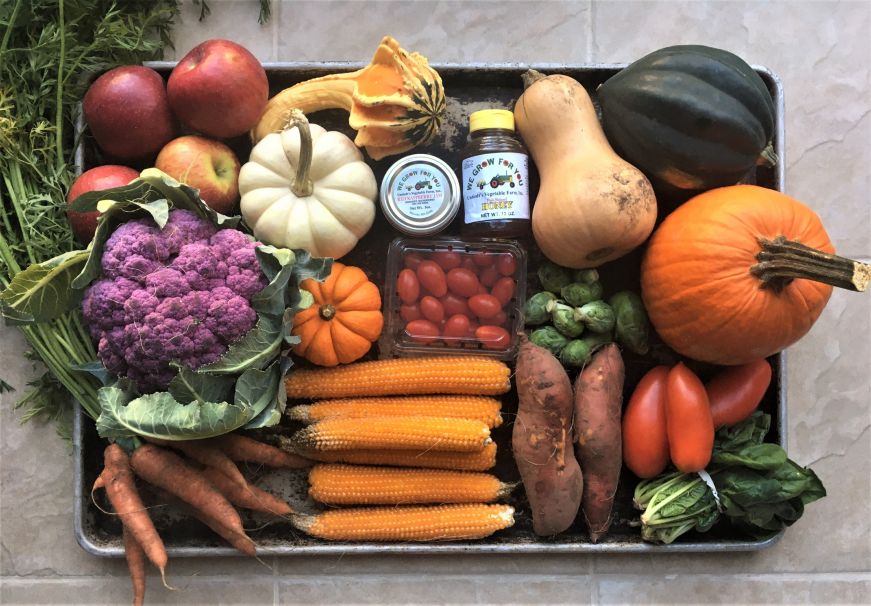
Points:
[[469, 87]]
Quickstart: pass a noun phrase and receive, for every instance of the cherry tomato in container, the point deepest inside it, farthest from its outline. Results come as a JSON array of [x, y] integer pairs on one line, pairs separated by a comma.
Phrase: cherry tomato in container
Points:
[[488, 276], [689, 423], [462, 282], [473, 326], [432, 277], [412, 260], [499, 319], [483, 258], [506, 264], [493, 337], [503, 290], [455, 305], [432, 309], [407, 286], [736, 392], [422, 331], [469, 264], [645, 438], [456, 330], [410, 312], [485, 306], [447, 259]]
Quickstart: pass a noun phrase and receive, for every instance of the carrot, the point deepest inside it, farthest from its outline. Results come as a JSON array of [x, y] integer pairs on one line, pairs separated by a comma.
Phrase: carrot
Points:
[[209, 455], [250, 497], [241, 448], [120, 486], [136, 564], [168, 471], [598, 442]]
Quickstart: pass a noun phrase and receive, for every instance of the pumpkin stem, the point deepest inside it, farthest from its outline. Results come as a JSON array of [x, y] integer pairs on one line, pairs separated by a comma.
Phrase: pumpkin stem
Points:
[[782, 260], [530, 77], [327, 311], [302, 185]]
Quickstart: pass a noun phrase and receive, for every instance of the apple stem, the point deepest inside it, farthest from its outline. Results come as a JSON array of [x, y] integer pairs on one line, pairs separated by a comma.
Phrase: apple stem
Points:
[[302, 185]]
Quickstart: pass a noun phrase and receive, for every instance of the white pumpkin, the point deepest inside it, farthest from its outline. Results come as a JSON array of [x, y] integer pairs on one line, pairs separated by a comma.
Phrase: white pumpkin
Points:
[[323, 203]]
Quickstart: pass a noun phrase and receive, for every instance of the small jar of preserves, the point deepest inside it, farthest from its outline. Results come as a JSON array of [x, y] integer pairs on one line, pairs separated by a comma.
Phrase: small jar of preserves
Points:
[[495, 183]]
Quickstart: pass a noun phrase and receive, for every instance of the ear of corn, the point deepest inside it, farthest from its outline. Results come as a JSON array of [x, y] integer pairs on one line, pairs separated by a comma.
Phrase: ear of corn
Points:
[[462, 407], [406, 376], [360, 485], [416, 523], [433, 459], [400, 433]]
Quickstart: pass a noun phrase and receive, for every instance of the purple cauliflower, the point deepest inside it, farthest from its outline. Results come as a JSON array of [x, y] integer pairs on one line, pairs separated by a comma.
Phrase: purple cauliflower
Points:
[[181, 294]]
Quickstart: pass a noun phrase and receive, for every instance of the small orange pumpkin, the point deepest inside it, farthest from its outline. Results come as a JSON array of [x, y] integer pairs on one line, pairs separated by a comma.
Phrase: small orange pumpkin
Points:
[[739, 273], [344, 320]]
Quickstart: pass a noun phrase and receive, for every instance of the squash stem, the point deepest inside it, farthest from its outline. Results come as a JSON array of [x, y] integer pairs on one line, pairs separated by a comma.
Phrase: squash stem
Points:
[[530, 77], [327, 311], [781, 261], [302, 185]]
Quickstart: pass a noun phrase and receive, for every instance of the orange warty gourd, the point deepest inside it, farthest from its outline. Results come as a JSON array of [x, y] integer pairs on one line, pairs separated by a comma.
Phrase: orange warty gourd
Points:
[[739, 273], [344, 320]]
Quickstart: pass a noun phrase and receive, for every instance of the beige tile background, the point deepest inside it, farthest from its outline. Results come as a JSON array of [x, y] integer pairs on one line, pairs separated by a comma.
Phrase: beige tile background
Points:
[[822, 52]]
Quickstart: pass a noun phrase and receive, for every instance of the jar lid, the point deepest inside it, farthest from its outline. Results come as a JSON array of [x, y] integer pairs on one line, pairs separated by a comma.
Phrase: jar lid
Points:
[[420, 195], [491, 118]]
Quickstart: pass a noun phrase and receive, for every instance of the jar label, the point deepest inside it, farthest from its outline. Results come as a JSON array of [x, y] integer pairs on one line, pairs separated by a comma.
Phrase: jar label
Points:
[[419, 191], [495, 186]]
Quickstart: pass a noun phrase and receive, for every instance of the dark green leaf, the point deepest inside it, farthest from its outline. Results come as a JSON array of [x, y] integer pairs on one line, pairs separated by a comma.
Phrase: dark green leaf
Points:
[[43, 292], [756, 456]]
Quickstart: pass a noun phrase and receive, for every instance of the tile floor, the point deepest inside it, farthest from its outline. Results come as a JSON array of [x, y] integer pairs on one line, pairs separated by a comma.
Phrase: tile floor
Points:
[[822, 52]]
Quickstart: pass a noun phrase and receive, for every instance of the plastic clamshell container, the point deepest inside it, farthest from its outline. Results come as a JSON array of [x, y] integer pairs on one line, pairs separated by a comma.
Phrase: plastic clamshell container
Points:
[[396, 339]]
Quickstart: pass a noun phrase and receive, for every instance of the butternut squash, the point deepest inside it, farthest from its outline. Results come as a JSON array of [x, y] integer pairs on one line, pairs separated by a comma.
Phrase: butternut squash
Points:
[[592, 206]]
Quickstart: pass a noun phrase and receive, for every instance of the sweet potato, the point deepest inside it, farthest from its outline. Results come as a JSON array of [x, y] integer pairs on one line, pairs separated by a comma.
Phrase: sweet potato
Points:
[[598, 440], [542, 440]]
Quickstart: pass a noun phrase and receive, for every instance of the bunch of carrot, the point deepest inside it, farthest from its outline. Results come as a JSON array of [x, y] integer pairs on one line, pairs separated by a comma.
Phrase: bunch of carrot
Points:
[[411, 463], [206, 481]]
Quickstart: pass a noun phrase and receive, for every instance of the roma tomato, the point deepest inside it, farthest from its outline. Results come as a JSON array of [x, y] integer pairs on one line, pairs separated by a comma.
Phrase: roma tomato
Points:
[[410, 312], [456, 330], [488, 276], [503, 290], [493, 337], [432, 278], [422, 331], [462, 282], [485, 306], [412, 260], [506, 264], [455, 305], [735, 392], [432, 309], [688, 420], [407, 286], [447, 259], [645, 438]]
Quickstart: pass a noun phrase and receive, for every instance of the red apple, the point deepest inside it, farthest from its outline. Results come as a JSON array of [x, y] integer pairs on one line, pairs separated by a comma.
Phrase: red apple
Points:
[[102, 177], [128, 112], [219, 89], [206, 164]]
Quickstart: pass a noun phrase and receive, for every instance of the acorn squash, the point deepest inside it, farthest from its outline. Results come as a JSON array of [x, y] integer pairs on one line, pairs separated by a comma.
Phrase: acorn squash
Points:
[[693, 117]]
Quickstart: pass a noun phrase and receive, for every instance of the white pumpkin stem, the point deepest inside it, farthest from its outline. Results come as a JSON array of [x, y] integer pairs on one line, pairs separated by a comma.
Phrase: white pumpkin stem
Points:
[[302, 185]]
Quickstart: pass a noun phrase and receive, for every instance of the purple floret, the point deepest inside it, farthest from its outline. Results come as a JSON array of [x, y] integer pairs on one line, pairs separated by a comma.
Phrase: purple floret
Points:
[[181, 294]]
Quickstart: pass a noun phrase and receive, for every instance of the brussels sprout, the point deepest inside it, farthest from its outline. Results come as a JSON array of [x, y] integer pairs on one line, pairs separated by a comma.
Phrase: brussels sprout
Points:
[[553, 277], [585, 276], [597, 339], [549, 338], [576, 353], [597, 316], [535, 312], [631, 326], [578, 294], [565, 319]]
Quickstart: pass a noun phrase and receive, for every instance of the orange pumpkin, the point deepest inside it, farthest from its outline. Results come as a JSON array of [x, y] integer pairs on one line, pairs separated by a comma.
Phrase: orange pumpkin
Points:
[[739, 273], [344, 320]]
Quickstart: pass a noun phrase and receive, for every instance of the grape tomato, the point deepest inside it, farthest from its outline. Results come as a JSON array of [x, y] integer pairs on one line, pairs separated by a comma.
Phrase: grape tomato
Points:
[[485, 306], [422, 331], [493, 337], [412, 260], [483, 258], [455, 305], [506, 264], [456, 329], [410, 312], [503, 290], [432, 277], [447, 259], [463, 282], [489, 276], [407, 286], [432, 309]]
